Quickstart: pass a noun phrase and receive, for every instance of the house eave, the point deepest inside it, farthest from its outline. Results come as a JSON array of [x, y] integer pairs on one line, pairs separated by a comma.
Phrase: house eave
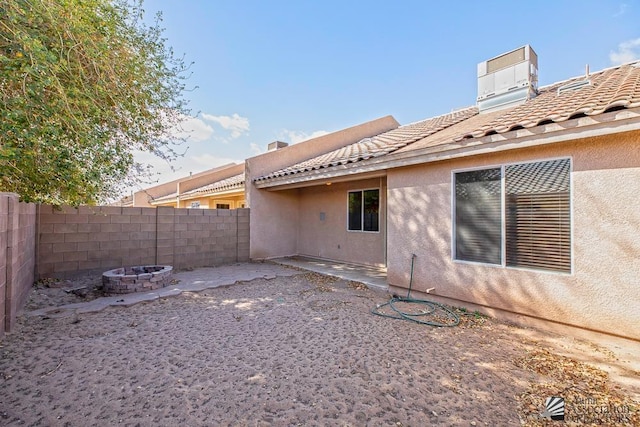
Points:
[[232, 191], [584, 127], [320, 177]]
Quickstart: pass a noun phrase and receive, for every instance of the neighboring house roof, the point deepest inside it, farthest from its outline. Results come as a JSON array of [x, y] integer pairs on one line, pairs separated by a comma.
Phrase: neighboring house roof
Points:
[[231, 183], [235, 182], [167, 198], [378, 145], [601, 92]]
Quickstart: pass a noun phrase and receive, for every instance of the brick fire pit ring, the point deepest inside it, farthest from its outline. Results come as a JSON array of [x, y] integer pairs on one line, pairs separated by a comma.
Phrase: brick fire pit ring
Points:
[[126, 280]]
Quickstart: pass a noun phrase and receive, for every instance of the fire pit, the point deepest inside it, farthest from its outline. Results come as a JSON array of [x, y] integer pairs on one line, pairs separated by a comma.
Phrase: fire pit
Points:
[[126, 280]]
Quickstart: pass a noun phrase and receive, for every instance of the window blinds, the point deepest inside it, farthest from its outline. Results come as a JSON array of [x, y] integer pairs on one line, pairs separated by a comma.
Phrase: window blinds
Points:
[[537, 213]]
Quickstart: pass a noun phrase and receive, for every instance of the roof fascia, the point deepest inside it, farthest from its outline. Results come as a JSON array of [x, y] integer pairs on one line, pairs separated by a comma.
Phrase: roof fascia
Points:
[[322, 179], [583, 127]]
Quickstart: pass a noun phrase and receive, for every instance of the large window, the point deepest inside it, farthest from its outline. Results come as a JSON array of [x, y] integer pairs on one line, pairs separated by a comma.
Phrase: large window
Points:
[[478, 216], [364, 207], [516, 215]]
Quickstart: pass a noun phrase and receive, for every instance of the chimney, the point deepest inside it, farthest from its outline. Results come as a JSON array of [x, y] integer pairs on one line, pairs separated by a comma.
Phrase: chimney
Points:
[[276, 145], [507, 80]]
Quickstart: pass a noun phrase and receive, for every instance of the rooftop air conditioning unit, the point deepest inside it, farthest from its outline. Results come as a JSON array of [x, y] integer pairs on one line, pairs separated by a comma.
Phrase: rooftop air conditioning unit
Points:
[[508, 79]]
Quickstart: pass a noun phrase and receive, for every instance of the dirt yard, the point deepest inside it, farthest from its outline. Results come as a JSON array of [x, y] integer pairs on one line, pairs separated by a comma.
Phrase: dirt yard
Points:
[[300, 350]]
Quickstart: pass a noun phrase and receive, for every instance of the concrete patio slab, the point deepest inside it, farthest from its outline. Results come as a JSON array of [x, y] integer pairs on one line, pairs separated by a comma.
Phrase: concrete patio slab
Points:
[[371, 276]]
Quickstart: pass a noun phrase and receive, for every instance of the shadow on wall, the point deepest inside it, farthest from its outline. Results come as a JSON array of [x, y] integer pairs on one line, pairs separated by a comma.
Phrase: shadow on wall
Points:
[[599, 295]]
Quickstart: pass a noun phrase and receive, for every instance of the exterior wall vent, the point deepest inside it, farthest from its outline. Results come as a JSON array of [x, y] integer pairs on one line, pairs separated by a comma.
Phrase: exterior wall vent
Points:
[[276, 145], [508, 79]]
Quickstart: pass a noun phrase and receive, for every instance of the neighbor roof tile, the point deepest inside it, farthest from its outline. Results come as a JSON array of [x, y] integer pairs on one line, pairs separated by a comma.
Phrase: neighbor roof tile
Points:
[[233, 182], [378, 145]]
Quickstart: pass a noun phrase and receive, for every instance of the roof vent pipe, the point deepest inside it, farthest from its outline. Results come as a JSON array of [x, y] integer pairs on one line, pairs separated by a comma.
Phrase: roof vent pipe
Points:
[[507, 80]]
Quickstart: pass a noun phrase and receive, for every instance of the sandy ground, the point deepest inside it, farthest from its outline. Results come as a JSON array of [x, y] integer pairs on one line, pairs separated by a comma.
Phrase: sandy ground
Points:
[[300, 350]]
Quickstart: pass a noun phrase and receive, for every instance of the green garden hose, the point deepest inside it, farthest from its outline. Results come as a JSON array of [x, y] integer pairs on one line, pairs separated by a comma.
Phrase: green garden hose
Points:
[[416, 310]]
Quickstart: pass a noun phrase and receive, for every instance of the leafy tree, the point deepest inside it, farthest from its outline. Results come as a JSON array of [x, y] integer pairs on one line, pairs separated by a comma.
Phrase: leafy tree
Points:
[[83, 85]]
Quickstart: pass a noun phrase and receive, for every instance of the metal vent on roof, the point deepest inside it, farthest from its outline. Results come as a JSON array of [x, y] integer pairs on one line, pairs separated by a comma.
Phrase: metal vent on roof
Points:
[[573, 86]]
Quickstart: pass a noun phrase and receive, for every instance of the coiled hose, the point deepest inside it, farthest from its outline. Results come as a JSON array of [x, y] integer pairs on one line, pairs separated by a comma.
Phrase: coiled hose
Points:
[[416, 310]]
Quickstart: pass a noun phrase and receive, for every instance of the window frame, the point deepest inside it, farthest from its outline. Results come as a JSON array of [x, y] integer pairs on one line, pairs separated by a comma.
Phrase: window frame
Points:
[[361, 230], [503, 213], [216, 202]]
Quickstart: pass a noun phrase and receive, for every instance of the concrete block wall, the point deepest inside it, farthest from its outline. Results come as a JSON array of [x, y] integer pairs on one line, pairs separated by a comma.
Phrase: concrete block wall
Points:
[[17, 256], [77, 241], [189, 238]]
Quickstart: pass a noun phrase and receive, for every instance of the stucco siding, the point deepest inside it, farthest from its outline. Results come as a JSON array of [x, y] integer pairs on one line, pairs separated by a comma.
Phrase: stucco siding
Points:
[[274, 231], [600, 294], [326, 235], [275, 218]]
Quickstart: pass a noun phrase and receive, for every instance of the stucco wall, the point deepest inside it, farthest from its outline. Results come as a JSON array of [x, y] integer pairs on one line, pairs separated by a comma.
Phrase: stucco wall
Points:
[[329, 238], [274, 232], [275, 214], [602, 292], [233, 200]]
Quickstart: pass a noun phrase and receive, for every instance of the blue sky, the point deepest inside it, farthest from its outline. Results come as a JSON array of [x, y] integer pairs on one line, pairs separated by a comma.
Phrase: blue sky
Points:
[[290, 70]]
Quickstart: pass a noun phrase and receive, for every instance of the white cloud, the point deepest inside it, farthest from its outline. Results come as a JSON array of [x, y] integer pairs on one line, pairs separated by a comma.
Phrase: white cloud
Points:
[[255, 149], [298, 136], [192, 129], [622, 9], [235, 123], [627, 51]]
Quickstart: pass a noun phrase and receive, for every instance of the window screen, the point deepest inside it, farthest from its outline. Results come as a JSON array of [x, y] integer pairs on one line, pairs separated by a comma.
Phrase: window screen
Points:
[[355, 210], [364, 208], [370, 209], [478, 216]]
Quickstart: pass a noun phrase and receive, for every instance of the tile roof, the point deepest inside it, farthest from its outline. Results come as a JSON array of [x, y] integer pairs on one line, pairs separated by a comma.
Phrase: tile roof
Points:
[[603, 91], [606, 90], [231, 183], [168, 197], [378, 145]]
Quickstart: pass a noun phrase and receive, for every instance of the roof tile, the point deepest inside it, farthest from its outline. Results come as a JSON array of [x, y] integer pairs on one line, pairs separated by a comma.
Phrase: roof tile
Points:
[[236, 181], [378, 145], [607, 90]]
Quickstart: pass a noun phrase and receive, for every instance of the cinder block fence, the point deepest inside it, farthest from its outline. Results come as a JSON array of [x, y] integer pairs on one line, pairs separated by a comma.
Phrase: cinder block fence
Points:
[[74, 241], [40, 241], [17, 256]]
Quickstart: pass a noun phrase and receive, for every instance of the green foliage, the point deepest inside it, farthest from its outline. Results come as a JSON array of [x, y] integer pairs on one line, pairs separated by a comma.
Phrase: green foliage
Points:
[[83, 85]]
